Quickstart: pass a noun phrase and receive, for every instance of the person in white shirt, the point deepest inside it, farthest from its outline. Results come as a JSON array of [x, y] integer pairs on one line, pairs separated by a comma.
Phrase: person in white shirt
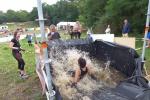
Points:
[[108, 30], [89, 33]]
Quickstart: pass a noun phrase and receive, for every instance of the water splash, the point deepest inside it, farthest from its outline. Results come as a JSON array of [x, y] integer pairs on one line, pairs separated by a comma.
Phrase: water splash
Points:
[[65, 60]]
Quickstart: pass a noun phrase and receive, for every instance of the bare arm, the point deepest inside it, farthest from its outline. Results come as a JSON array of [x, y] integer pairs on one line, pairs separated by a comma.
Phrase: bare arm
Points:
[[90, 70], [77, 74], [37, 48], [49, 37]]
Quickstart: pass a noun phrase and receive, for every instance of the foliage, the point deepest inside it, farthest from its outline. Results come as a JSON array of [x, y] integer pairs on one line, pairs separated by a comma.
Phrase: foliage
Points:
[[91, 10], [63, 10], [100, 13], [119, 10], [92, 13]]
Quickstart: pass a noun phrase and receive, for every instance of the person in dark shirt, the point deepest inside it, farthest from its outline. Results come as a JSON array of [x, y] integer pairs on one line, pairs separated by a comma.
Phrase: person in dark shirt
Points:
[[71, 32], [53, 34], [29, 39], [81, 71], [126, 28], [77, 28], [16, 52]]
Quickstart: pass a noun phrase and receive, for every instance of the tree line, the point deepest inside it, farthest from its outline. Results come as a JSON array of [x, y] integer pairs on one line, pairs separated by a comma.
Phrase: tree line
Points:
[[99, 13], [91, 13], [63, 10]]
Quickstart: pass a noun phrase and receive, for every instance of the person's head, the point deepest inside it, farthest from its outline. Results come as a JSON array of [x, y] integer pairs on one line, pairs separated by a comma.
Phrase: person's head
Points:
[[71, 27], [77, 22], [125, 21], [82, 62], [52, 28], [16, 35]]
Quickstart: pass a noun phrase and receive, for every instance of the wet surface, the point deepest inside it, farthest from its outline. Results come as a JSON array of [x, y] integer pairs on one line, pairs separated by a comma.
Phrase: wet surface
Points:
[[93, 89], [107, 94]]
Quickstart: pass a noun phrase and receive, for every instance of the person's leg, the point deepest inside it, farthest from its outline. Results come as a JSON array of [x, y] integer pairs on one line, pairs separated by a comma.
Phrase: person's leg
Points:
[[149, 43], [39, 72], [42, 80], [79, 35], [31, 43], [28, 43], [76, 35], [71, 35], [126, 35], [21, 63], [21, 67], [16, 56]]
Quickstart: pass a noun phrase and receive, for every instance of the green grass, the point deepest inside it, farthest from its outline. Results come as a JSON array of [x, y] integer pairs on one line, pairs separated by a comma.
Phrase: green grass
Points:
[[139, 44], [11, 86], [10, 82]]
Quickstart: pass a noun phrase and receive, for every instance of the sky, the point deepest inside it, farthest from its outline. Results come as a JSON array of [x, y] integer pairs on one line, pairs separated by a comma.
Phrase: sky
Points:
[[21, 4]]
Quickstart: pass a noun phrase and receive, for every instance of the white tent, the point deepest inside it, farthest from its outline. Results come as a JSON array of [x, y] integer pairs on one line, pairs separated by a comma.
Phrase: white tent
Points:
[[63, 25]]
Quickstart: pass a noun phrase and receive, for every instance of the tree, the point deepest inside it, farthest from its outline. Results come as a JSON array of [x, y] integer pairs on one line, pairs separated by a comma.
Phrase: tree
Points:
[[3, 17], [63, 10], [33, 14], [118, 10], [23, 16], [11, 16], [90, 11]]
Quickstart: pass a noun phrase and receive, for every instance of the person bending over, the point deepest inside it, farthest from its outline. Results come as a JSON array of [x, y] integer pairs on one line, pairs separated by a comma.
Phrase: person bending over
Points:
[[81, 71], [16, 52]]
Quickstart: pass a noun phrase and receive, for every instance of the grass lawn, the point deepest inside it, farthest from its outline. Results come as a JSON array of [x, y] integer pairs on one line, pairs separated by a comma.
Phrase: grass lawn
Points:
[[139, 44], [11, 86]]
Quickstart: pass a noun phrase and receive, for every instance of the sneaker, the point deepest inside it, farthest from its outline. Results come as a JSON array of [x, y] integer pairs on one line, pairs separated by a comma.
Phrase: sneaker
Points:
[[23, 76]]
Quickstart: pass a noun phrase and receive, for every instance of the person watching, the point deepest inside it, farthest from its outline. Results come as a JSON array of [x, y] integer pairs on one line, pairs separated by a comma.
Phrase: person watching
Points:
[[16, 52], [53, 34]]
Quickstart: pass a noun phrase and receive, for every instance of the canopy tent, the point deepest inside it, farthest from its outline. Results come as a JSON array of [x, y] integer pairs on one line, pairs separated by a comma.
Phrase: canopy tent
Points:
[[63, 25]]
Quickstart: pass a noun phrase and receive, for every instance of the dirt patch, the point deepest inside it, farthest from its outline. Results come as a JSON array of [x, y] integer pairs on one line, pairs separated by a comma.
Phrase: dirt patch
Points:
[[28, 89]]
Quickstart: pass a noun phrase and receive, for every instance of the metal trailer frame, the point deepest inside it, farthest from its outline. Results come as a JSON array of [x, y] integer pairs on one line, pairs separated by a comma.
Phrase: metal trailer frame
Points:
[[50, 93], [145, 36]]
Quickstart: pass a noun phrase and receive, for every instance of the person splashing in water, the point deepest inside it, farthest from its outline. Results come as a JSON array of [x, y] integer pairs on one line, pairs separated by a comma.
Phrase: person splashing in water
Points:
[[81, 71]]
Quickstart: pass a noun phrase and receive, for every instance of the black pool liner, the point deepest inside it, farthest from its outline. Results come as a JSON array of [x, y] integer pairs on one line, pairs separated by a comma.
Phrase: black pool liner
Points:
[[122, 58]]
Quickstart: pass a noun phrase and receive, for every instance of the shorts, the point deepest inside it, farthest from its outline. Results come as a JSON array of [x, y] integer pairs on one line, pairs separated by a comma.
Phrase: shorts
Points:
[[125, 34], [29, 41]]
